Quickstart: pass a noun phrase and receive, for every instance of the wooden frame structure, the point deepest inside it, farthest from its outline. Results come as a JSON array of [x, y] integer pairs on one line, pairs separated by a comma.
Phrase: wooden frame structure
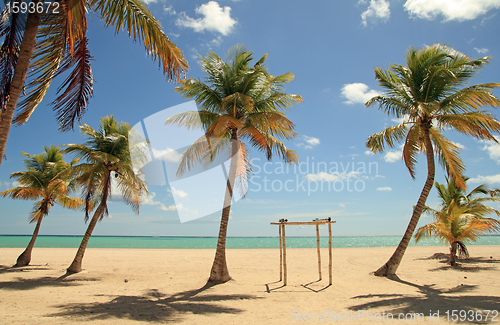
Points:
[[317, 223]]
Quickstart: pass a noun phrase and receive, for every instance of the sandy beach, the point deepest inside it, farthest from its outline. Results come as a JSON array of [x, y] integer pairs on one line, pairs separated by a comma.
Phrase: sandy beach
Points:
[[129, 286]]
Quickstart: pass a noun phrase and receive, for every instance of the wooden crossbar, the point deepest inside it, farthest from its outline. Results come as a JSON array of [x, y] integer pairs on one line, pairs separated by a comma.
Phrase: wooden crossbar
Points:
[[317, 222]]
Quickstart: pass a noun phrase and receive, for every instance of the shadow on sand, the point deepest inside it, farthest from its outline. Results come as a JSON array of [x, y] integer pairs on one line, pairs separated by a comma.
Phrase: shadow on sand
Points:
[[430, 300], [154, 306]]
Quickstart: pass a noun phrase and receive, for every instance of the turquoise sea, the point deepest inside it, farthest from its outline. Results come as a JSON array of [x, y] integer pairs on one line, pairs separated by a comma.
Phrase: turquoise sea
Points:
[[211, 242]]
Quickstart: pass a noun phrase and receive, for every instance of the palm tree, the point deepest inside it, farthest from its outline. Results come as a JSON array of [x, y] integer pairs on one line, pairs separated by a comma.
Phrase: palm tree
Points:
[[48, 178], [238, 102], [106, 154], [56, 41], [426, 95], [460, 218]]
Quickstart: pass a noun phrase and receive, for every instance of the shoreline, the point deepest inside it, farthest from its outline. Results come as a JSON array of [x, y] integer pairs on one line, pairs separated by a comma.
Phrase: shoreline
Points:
[[127, 286]]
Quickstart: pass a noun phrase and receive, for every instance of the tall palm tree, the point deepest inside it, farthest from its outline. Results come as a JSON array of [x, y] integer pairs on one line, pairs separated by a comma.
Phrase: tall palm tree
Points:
[[238, 102], [56, 42], [106, 154], [426, 95], [48, 179], [460, 217]]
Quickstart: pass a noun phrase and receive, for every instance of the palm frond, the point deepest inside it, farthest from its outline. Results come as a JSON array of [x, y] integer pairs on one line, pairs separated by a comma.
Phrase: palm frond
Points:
[[137, 20]]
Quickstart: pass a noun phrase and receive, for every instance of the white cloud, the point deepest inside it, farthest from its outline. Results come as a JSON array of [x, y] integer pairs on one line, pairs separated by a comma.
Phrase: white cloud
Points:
[[358, 93], [458, 144], [384, 189], [491, 179], [402, 119], [167, 155], [169, 10], [336, 176], [369, 153], [178, 193], [172, 207], [215, 19], [392, 156], [149, 1], [309, 142], [450, 9], [378, 9], [149, 199], [481, 50], [493, 149]]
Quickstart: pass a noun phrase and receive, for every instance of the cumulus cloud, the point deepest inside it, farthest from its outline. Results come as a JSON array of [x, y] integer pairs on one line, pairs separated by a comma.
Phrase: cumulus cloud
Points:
[[481, 50], [149, 1], [392, 156], [215, 19], [333, 177], [358, 93], [149, 199], [168, 154], [493, 149], [384, 189], [491, 179], [308, 142], [172, 207], [378, 9], [178, 193], [450, 9], [169, 10]]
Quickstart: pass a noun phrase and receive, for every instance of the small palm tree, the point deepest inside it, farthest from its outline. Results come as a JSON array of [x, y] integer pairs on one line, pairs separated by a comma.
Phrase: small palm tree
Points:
[[238, 102], [106, 154], [460, 218], [48, 178], [51, 43], [426, 95]]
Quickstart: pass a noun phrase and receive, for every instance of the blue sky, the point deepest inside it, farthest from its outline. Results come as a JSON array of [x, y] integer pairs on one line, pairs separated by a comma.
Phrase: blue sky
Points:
[[332, 48]]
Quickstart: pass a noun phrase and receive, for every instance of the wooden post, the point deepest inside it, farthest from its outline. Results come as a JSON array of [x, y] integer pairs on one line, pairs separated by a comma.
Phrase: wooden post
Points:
[[319, 254], [284, 256], [281, 255], [330, 250]]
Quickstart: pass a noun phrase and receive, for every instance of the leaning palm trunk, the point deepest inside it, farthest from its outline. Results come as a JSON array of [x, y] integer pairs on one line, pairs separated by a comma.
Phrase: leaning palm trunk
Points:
[[219, 272], [76, 265], [19, 77], [392, 264], [25, 258]]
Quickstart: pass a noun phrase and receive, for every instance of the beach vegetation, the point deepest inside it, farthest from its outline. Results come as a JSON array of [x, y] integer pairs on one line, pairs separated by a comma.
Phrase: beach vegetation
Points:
[[43, 44], [105, 161], [49, 180], [461, 217], [428, 96], [238, 103]]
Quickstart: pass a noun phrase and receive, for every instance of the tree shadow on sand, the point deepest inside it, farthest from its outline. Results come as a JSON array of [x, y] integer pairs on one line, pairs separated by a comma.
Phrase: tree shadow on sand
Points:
[[470, 264], [21, 283], [12, 269], [154, 306], [430, 300]]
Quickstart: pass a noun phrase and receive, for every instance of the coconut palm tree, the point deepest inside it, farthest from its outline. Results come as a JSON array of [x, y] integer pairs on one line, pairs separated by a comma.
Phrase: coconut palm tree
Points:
[[460, 217], [238, 102], [427, 97], [106, 155], [48, 179], [51, 43]]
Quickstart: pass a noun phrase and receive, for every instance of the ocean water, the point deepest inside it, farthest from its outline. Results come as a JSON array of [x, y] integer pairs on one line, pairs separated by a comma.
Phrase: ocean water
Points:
[[211, 242]]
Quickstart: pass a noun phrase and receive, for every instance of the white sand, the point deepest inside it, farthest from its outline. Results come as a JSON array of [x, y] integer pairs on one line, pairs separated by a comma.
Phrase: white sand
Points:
[[127, 286]]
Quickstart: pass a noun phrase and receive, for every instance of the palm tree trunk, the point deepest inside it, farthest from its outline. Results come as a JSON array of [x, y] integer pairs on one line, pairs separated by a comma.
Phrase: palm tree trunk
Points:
[[219, 272], [453, 253], [25, 258], [76, 265], [19, 77], [390, 267]]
